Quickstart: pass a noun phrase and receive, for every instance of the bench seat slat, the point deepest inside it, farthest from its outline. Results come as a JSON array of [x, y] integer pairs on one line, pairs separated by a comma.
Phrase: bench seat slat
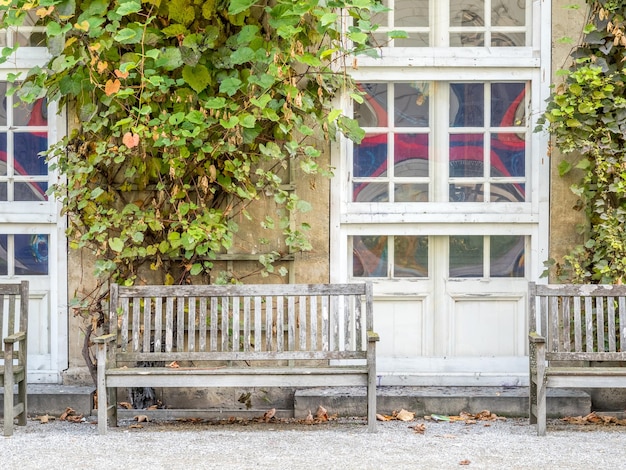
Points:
[[240, 356]]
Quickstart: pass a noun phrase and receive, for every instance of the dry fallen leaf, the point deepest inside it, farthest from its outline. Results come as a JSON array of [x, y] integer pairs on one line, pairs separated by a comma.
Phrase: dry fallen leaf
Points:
[[173, 365], [464, 462], [269, 414], [68, 411], [125, 404], [321, 413], [309, 418], [419, 428], [45, 418], [141, 418], [404, 415], [380, 417], [136, 426]]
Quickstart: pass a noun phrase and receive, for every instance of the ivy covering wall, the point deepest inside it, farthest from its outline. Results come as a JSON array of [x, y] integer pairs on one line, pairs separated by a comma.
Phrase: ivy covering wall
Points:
[[586, 115]]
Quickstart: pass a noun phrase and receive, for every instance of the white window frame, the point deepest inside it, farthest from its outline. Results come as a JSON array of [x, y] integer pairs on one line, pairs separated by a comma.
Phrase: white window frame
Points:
[[481, 64]]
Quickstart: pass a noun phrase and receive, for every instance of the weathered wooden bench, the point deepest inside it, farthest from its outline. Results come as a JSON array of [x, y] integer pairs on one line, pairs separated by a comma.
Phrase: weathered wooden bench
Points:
[[13, 330], [293, 335], [577, 340]]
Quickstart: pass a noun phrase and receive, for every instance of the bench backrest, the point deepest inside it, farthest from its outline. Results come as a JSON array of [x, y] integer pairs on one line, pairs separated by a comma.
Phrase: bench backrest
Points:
[[241, 322], [580, 321], [13, 316]]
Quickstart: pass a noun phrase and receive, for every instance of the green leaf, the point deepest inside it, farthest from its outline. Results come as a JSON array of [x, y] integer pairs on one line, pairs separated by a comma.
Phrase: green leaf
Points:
[[197, 77], [116, 244], [564, 167], [242, 55], [196, 269], [170, 59], [238, 6], [230, 86], [128, 36], [217, 102], [128, 7]]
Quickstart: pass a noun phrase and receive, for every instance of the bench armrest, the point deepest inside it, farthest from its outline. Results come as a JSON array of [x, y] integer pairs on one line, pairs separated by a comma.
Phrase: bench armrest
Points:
[[372, 337], [103, 339], [535, 337], [15, 337]]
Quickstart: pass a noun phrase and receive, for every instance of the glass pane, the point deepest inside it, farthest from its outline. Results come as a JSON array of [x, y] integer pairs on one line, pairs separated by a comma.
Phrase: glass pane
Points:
[[508, 13], [467, 12], [30, 114], [507, 256], [382, 19], [466, 256], [508, 192], [3, 255], [467, 193], [467, 40], [467, 105], [369, 256], [371, 192], [413, 40], [30, 191], [3, 108], [373, 111], [28, 147], [411, 104], [508, 155], [411, 13], [410, 257], [31, 254], [411, 193], [370, 156], [3, 154], [467, 155], [3, 191], [411, 155], [508, 107]]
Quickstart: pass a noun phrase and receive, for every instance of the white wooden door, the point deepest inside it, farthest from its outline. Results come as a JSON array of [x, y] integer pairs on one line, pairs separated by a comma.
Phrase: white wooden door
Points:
[[443, 204], [32, 233]]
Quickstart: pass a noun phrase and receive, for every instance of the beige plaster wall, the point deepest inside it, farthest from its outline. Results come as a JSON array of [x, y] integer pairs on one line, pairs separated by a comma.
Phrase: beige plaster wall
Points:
[[566, 23]]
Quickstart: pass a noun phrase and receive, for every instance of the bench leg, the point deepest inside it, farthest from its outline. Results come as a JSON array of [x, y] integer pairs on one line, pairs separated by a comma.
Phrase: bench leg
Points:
[[8, 404], [371, 403], [541, 406], [22, 397]]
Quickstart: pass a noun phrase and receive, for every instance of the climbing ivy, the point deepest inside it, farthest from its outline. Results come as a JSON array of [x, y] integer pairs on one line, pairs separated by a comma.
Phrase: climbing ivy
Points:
[[189, 111], [586, 115]]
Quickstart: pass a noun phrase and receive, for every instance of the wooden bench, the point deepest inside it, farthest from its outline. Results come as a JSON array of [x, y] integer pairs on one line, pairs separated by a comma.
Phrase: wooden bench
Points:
[[577, 340], [292, 335], [13, 328]]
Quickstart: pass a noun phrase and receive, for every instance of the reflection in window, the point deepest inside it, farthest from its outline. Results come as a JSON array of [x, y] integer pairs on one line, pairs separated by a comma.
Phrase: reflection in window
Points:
[[410, 257], [466, 256], [369, 256], [24, 255], [507, 256]]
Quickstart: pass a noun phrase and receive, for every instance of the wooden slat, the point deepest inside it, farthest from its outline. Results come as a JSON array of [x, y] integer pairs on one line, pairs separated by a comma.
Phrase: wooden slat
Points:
[[291, 323], [8, 330], [180, 324], [610, 311], [622, 324], [302, 326], [553, 331], [202, 324], [347, 323], [246, 324], [214, 324], [334, 323], [269, 338], [219, 356], [147, 323], [589, 323], [235, 338], [135, 323], [565, 325], [191, 324], [600, 323], [314, 321], [280, 323], [225, 314], [578, 341], [158, 323], [325, 324], [258, 314], [124, 331], [169, 324]]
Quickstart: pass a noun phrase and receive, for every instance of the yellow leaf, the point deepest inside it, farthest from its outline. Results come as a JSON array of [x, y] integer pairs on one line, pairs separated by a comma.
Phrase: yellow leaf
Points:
[[102, 66], [169, 280], [70, 41], [112, 87], [82, 26], [120, 74], [43, 12]]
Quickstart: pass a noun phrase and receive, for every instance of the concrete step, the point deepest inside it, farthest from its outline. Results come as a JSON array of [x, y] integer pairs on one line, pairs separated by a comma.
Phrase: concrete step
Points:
[[345, 401], [503, 401]]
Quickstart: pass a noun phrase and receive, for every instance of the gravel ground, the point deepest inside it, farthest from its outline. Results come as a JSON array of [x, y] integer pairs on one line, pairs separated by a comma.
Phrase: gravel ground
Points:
[[339, 444]]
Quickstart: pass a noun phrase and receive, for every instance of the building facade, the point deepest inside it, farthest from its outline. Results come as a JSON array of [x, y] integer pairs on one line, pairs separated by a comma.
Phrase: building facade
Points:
[[446, 205]]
